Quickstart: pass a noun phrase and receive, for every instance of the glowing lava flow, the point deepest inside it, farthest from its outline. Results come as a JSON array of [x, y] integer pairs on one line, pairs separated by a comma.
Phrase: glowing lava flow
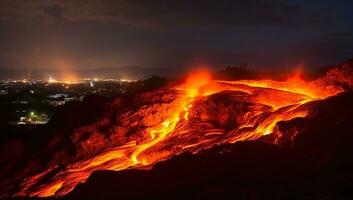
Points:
[[187, 127]]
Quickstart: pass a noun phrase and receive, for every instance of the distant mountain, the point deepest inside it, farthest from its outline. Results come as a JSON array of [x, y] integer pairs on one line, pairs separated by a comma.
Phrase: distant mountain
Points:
[[127, 72]]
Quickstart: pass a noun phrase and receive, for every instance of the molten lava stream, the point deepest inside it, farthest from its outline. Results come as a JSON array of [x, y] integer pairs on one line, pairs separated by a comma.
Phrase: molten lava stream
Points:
[[267, 102]]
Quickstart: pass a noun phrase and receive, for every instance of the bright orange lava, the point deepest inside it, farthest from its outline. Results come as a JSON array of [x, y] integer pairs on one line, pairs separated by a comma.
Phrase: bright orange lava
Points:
[[272, 101]]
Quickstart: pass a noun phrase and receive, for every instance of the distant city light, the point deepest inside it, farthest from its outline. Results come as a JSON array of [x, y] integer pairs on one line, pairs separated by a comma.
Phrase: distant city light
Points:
[[52, 80], [127, 80], [107, 80]]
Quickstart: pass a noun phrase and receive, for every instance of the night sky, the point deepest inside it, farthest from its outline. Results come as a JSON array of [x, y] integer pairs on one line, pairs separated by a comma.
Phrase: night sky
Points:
[[160, 33]]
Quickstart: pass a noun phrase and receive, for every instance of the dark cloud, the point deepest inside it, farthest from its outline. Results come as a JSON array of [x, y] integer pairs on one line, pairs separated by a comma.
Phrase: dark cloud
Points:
[[160, 13], [340, 35], [102, 33]]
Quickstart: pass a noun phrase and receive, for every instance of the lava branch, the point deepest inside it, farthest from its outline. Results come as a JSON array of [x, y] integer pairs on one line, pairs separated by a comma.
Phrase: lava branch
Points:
[[159, 133]]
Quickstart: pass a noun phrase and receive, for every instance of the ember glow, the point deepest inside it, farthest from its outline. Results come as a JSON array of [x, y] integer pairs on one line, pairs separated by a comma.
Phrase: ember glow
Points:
[[200, 114]]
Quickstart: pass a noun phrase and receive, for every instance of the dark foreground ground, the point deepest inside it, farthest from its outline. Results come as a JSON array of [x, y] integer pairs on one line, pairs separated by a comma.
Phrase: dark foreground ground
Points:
[[317, 165]]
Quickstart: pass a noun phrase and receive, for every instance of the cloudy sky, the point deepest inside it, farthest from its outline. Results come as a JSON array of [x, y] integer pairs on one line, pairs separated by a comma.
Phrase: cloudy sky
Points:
[[163, 33]]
